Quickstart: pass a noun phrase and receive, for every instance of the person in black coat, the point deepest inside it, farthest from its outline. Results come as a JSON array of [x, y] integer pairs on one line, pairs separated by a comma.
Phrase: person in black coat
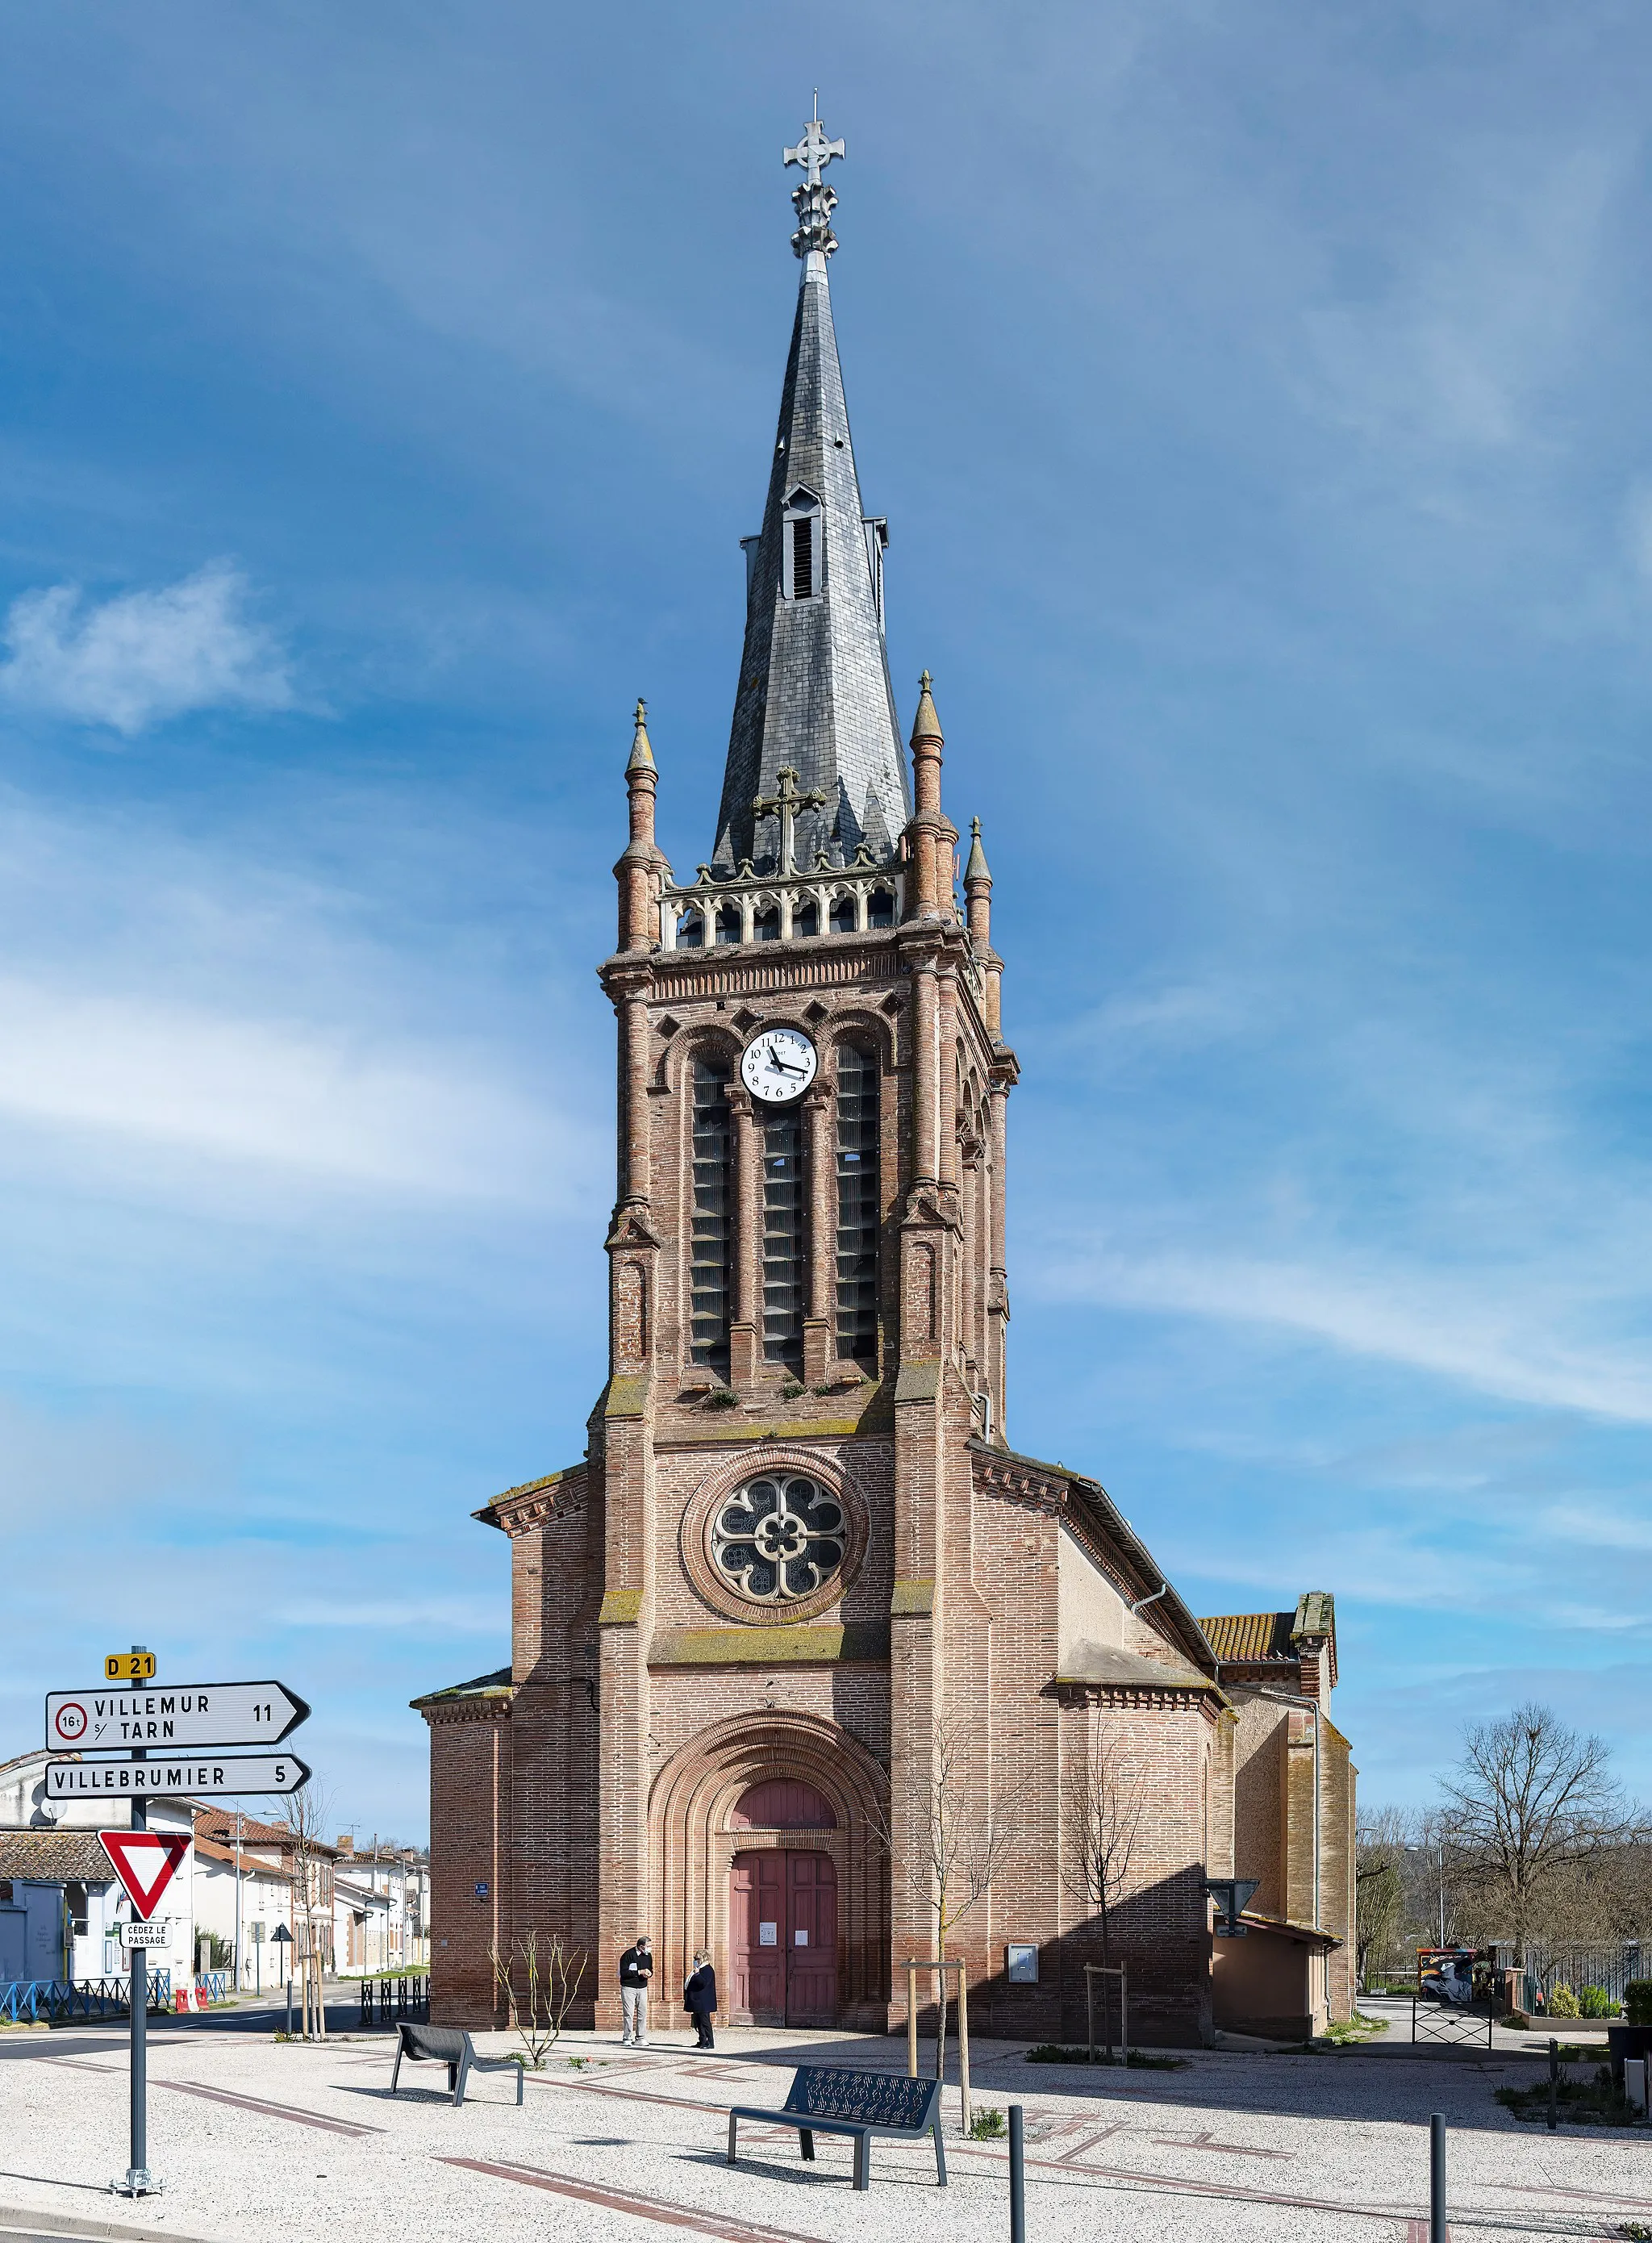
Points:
[[700, 1997]]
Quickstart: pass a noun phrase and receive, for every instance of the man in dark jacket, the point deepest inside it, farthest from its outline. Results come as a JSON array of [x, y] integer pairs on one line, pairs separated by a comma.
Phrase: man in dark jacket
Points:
[[700, 1997], [637, 1967]]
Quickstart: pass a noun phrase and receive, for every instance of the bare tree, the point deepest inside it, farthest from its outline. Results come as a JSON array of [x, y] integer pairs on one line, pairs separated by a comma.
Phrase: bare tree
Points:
[[1381, 1841], [540, 1985], [1104, 1798], [1531, 1799], [303, 1815], [964, 1827]]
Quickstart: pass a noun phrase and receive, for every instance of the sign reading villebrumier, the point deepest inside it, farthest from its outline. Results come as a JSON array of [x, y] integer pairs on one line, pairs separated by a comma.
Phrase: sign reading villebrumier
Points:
[[198, 1775]]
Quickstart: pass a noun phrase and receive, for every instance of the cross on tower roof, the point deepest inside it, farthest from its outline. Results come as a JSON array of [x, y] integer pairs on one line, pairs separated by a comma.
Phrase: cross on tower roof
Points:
[[814, 152], [784, 804]]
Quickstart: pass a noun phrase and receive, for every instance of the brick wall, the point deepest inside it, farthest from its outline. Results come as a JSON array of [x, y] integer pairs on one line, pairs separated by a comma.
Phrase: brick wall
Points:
[[469, 1838]]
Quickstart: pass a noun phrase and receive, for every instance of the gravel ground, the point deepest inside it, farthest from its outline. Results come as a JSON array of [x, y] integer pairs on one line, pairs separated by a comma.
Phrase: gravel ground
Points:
[[258, 2139]]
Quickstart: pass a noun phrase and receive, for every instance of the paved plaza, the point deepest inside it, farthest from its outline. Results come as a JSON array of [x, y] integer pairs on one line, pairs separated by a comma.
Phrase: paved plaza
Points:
[[284, 2141]]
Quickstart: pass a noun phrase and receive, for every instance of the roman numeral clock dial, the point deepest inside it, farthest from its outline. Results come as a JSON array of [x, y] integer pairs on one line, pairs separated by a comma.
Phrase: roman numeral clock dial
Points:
[[778, 1065]]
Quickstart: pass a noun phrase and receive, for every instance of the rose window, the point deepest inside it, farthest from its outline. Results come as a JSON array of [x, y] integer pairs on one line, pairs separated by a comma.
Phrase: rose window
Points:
[[779, 1538]]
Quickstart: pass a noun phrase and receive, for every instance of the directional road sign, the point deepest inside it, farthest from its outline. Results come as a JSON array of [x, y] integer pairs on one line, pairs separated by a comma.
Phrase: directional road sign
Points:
[[198, 1775], [145, 1861], [178, 1719]]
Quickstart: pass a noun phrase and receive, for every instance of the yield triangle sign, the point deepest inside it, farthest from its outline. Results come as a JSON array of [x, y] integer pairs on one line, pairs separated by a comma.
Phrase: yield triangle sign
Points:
[[144, 1860]]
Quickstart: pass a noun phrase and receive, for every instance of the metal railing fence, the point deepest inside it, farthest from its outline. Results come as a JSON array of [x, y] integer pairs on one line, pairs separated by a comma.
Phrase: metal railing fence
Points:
[[1608, 1966], [384, 2001], [60, 2001]]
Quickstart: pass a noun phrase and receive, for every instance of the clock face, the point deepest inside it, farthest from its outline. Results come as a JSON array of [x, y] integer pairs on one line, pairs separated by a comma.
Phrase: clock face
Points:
[[778, 1065]]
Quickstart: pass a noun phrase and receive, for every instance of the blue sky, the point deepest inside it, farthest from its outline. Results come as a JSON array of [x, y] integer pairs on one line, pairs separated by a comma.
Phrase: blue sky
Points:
[[1258, 398]]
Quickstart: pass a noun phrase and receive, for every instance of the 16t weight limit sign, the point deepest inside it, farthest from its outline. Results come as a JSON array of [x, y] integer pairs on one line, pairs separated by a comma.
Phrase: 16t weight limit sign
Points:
[[181, 1718]]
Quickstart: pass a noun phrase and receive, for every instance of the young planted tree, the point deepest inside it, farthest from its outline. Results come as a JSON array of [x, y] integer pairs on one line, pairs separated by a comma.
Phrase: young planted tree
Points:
[[538, 1982], [963, 1829], [303, 1815], [1105, 1794], [1530, 1800]]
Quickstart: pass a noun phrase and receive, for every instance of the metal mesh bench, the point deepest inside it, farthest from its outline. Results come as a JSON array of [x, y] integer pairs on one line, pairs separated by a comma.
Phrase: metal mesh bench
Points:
[[859, 2104], [446, 2044]]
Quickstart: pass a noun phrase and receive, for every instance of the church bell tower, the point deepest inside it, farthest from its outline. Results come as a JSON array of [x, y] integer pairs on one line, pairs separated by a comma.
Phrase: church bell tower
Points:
[[808, 1300]]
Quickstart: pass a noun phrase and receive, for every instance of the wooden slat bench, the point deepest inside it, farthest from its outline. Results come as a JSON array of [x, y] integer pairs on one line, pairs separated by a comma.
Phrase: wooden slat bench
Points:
[[859, 2104], [446, 2044]]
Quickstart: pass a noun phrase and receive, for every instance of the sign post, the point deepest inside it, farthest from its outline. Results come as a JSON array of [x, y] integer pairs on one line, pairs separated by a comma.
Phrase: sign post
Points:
[[172, 1741], [145, 1861]]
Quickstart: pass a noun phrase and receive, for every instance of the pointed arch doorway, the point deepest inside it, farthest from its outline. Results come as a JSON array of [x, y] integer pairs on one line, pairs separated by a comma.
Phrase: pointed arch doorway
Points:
[[782, 1907]]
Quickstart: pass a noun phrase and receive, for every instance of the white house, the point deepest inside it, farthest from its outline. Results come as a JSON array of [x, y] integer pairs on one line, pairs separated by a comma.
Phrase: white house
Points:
[[266, 1904], [381, 1907], [60, 1903]]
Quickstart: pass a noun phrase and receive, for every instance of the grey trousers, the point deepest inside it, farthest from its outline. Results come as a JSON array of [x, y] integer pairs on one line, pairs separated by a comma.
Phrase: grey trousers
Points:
[[634, 2014]]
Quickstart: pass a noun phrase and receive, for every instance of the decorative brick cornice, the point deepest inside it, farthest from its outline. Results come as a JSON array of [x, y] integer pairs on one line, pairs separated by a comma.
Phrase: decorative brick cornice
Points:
[[1021, 1483], [1193, 1697], [752, 971], [519, 1509], [462, 1711], [487, 1699]]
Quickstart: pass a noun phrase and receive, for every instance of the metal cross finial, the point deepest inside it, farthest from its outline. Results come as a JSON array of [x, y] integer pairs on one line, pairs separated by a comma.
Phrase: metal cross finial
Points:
[[814, 152], [813, 202], [784, 804]]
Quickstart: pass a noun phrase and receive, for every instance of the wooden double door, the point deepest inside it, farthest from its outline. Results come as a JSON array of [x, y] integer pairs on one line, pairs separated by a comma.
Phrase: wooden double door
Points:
[[783, 1937]]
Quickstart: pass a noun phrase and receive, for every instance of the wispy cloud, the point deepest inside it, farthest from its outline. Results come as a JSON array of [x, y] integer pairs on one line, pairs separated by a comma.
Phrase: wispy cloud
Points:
[[142, 657], [295, 1095], [1451, 1330]]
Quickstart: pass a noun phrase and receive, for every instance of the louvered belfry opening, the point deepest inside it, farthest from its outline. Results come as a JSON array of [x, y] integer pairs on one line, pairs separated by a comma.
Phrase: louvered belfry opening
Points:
[[713, 1151], [857, 1205], [783, 1240], [803, 556]]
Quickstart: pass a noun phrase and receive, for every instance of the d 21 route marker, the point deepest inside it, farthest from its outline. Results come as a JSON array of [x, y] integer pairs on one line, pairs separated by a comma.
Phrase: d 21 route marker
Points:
[[145, 1861], [178, 1718], [196, 1775]]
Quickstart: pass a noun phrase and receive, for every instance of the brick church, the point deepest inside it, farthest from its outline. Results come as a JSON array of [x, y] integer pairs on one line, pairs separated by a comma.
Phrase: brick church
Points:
[[801, 1619]]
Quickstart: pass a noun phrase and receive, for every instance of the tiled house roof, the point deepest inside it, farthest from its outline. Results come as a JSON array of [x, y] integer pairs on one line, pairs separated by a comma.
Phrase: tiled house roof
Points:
[[1249, 1639], [1251, 1635], [54, 1856]]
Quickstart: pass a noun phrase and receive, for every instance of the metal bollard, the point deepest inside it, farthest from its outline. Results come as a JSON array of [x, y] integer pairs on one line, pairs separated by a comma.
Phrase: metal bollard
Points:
[[289, 2005], [1017, 2179], [1553, 2082], [1437, 2180]]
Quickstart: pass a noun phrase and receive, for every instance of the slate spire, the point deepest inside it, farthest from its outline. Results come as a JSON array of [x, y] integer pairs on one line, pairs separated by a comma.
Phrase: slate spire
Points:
[[814, 695]]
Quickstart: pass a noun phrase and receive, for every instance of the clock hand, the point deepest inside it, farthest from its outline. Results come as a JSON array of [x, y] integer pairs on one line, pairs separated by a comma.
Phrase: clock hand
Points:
[[777, 1065]]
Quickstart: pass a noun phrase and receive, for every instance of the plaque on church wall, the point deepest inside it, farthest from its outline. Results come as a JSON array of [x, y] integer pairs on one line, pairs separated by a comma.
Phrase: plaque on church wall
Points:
[[1021, 1964]]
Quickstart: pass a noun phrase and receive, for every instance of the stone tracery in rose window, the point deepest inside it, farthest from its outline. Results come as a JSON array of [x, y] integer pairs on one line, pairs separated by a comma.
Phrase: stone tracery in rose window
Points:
[[779, 1538]]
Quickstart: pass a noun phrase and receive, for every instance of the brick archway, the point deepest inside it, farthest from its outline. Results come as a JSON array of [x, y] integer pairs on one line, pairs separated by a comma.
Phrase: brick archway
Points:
[[693, 1839]]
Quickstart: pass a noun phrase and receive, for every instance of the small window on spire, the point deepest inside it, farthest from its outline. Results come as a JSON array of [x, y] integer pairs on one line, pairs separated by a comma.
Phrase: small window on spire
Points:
[[800, 558]]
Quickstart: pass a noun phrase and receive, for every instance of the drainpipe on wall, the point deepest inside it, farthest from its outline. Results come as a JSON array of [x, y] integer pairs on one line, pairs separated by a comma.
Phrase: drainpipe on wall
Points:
[[1312, 1706]]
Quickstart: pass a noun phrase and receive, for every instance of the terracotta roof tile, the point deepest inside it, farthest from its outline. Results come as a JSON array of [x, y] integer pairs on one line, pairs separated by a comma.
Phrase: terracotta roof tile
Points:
[[1251, 1635], [52, 1857]]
